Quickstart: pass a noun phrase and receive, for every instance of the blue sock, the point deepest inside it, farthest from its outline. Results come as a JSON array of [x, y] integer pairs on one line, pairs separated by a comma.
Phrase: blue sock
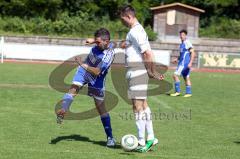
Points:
[[177, 87], [188, 90], [106, 121], [67, 101]]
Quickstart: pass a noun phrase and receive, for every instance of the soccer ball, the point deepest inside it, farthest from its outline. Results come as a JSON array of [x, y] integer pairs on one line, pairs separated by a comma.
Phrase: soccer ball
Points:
[[129, 142]]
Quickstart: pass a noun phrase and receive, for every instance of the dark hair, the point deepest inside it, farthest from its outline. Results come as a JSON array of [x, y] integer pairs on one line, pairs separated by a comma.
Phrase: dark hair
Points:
[[183, 31], [102, 33], [126, 10]]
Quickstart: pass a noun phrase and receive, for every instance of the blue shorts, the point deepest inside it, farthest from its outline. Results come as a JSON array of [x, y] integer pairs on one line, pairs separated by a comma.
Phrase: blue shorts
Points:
[[182, 70], [96, 87]]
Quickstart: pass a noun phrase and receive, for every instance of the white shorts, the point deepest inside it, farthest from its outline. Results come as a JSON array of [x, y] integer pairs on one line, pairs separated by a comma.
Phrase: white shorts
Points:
[[137, 83]]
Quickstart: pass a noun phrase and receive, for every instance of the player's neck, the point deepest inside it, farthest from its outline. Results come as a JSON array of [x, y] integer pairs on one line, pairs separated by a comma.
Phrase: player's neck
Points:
[[183, 40], [134, 22]]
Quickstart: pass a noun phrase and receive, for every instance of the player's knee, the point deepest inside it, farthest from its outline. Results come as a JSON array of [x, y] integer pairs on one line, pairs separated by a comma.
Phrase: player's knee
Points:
[[175, 77], [99, 103], [187, 78], [187, 81], [138, 107]]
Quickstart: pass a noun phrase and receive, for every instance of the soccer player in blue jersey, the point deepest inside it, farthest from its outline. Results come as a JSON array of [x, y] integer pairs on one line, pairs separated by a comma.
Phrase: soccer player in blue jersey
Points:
[[185, 61], [93, 72]]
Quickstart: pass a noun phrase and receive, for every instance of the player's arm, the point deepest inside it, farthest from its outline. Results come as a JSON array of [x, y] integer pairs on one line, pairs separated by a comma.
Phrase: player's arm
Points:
[[90, 41], [147, 55], [93, 70], [150, 66], [102, 66], [175, 60], [123, 44], [192, 52]]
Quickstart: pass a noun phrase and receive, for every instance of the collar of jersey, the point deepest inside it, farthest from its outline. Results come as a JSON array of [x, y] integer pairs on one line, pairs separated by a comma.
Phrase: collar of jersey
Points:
[[137, 23]]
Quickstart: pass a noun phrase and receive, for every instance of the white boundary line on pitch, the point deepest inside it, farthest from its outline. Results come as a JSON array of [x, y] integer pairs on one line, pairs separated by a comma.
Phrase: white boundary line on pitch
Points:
[[160, 102], [12, 85]]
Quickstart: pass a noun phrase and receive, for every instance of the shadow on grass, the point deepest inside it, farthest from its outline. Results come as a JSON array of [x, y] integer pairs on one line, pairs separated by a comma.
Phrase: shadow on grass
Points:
[[237, 142], [128, 153], [75, 137]]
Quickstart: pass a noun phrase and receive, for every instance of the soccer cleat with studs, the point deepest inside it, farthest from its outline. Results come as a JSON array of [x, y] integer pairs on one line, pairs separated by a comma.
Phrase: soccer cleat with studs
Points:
[[60, 116], [149, 146], [175, 94]]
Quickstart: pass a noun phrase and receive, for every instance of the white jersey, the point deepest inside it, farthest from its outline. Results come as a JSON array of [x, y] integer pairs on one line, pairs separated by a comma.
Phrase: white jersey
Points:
[[137, 43]]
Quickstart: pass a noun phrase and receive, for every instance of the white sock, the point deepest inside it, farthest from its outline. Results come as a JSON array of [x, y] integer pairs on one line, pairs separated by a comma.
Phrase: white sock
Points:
[[149, 125], [141, 124]]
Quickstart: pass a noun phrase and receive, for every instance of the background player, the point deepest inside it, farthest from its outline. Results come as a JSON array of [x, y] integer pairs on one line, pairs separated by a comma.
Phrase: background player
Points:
[[93, 72], [185, 61]]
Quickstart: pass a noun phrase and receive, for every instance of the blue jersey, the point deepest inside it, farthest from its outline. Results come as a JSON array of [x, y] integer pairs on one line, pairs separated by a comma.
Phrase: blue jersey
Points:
[[96, 58], [184, 59], [185, 55]]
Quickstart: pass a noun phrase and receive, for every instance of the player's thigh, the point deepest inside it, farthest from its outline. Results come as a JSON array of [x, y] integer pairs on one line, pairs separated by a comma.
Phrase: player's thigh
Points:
[[97, 90], [187, 80], [175, 77], [79, 77], [138, 104], [185, 71], [178, 71]]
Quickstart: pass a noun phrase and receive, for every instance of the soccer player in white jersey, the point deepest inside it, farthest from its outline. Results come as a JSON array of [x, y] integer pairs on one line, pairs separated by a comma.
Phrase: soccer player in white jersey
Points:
[[140, 66], [185, 61], [93, 72]]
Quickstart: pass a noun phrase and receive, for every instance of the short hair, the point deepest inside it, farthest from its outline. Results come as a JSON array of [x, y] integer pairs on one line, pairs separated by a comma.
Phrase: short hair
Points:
[[183, 31], [126, 10], [103, 33]]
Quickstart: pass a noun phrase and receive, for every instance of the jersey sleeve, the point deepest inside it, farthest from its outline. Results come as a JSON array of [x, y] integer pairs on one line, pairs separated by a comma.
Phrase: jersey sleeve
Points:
[[188, 45], [141, 38], [106, 61]]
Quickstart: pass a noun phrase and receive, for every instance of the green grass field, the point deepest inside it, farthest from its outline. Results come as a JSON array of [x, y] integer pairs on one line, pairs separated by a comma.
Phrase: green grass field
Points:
[[28, 127]]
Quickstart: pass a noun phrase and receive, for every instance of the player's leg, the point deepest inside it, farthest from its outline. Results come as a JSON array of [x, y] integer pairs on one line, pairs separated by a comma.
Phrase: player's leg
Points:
[[151, 140], [186, 76], [77, 83], [176, 79], [67, 101], [176, 85], [138, 109], [149, 125], [106, 120], [188, 87], [137, 92], [96, 90]]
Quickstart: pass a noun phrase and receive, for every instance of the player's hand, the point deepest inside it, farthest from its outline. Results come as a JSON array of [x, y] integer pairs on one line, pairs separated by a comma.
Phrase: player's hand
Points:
[[78, 60], [90, 41], [161, 77], [85, 66], [190, 65], [123, 44], [156, 75], [174, 61]]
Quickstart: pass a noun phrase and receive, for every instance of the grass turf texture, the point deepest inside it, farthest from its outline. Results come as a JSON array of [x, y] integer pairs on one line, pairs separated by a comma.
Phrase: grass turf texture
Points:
[[29, 130]]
